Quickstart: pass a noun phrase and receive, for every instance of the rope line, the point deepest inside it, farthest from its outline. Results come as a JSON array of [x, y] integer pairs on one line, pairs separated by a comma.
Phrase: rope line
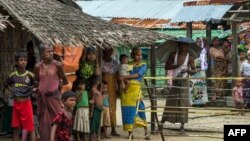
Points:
[[201, 78]]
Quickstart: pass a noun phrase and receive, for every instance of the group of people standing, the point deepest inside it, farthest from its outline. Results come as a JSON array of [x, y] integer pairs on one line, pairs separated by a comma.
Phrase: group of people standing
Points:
[[91, 102], [45, 81], [221, 55], [183, 65]]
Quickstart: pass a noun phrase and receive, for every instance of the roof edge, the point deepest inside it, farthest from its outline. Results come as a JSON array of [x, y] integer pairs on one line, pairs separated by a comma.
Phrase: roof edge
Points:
[[18, 18]]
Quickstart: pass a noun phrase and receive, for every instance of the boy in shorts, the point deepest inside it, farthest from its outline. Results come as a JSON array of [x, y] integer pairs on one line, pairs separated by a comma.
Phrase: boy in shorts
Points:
[[21, 83]]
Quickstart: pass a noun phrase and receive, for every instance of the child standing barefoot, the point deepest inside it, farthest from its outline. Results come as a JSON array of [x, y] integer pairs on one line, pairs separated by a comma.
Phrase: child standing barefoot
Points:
[[238, 96], [81, 123], [105, 121], [62, 122], [21, 83], [95, 108]]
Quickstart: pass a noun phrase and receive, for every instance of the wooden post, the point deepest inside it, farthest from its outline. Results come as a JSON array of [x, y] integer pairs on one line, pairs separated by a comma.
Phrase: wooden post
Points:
[[234, 49], [208, 33], [99, 57], [189, 29], [208, 38], [153, 82]]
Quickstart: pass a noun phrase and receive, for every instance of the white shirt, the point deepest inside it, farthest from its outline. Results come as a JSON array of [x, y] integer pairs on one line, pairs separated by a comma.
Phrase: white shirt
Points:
[[245, 68], [124, 69], [178, 70], [109, 67]]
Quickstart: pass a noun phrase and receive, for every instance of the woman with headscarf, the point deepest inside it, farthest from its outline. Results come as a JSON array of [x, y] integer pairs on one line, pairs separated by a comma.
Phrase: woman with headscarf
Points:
[[219, 67], [131, 99], [198, 88]]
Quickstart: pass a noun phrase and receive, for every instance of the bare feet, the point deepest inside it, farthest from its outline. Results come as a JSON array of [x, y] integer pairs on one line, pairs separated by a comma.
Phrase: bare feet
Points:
[[147, 137], [115, 133], [132, 136], [182, 129], [107, 137]]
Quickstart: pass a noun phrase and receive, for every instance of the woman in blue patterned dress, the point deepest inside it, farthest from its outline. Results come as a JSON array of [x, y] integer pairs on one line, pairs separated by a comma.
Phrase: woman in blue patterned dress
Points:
[[131, 99]]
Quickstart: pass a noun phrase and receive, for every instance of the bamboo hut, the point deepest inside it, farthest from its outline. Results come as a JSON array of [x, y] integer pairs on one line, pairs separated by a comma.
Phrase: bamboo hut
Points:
[[63, 26]]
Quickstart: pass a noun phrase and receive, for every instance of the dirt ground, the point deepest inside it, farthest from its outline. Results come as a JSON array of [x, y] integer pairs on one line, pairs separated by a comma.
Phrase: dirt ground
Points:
[[203, 125], [171, 136]]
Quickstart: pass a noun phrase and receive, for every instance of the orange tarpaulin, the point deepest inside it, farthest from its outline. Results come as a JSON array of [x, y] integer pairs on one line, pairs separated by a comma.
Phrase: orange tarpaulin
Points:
[[71, 56]]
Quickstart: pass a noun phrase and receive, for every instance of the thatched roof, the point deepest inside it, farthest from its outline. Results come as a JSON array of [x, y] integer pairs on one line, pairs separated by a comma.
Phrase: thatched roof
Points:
[[54, 22], [71, 3]]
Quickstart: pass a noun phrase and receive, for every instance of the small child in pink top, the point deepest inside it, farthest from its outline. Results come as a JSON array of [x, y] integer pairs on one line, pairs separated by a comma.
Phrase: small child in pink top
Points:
[[238, 96]]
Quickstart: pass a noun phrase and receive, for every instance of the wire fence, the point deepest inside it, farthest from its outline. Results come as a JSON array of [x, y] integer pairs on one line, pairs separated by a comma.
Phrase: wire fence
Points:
[[211, 115]]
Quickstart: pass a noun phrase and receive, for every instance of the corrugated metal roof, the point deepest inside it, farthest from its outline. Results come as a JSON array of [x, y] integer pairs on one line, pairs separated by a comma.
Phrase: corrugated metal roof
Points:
[[143, 9], [208, 2], [196, 33], [201, 13], [156, 23], [146, 23]]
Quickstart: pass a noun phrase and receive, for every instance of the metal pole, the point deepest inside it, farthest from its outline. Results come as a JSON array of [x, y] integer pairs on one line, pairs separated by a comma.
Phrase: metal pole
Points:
[[234, 49], [208, 38]]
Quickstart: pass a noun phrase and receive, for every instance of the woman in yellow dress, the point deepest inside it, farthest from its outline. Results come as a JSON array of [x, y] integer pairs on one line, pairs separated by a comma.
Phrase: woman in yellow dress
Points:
[[131, 98]]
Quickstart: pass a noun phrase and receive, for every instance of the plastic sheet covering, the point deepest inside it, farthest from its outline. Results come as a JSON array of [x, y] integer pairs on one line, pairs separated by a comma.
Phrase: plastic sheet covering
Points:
[[70, 58]]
